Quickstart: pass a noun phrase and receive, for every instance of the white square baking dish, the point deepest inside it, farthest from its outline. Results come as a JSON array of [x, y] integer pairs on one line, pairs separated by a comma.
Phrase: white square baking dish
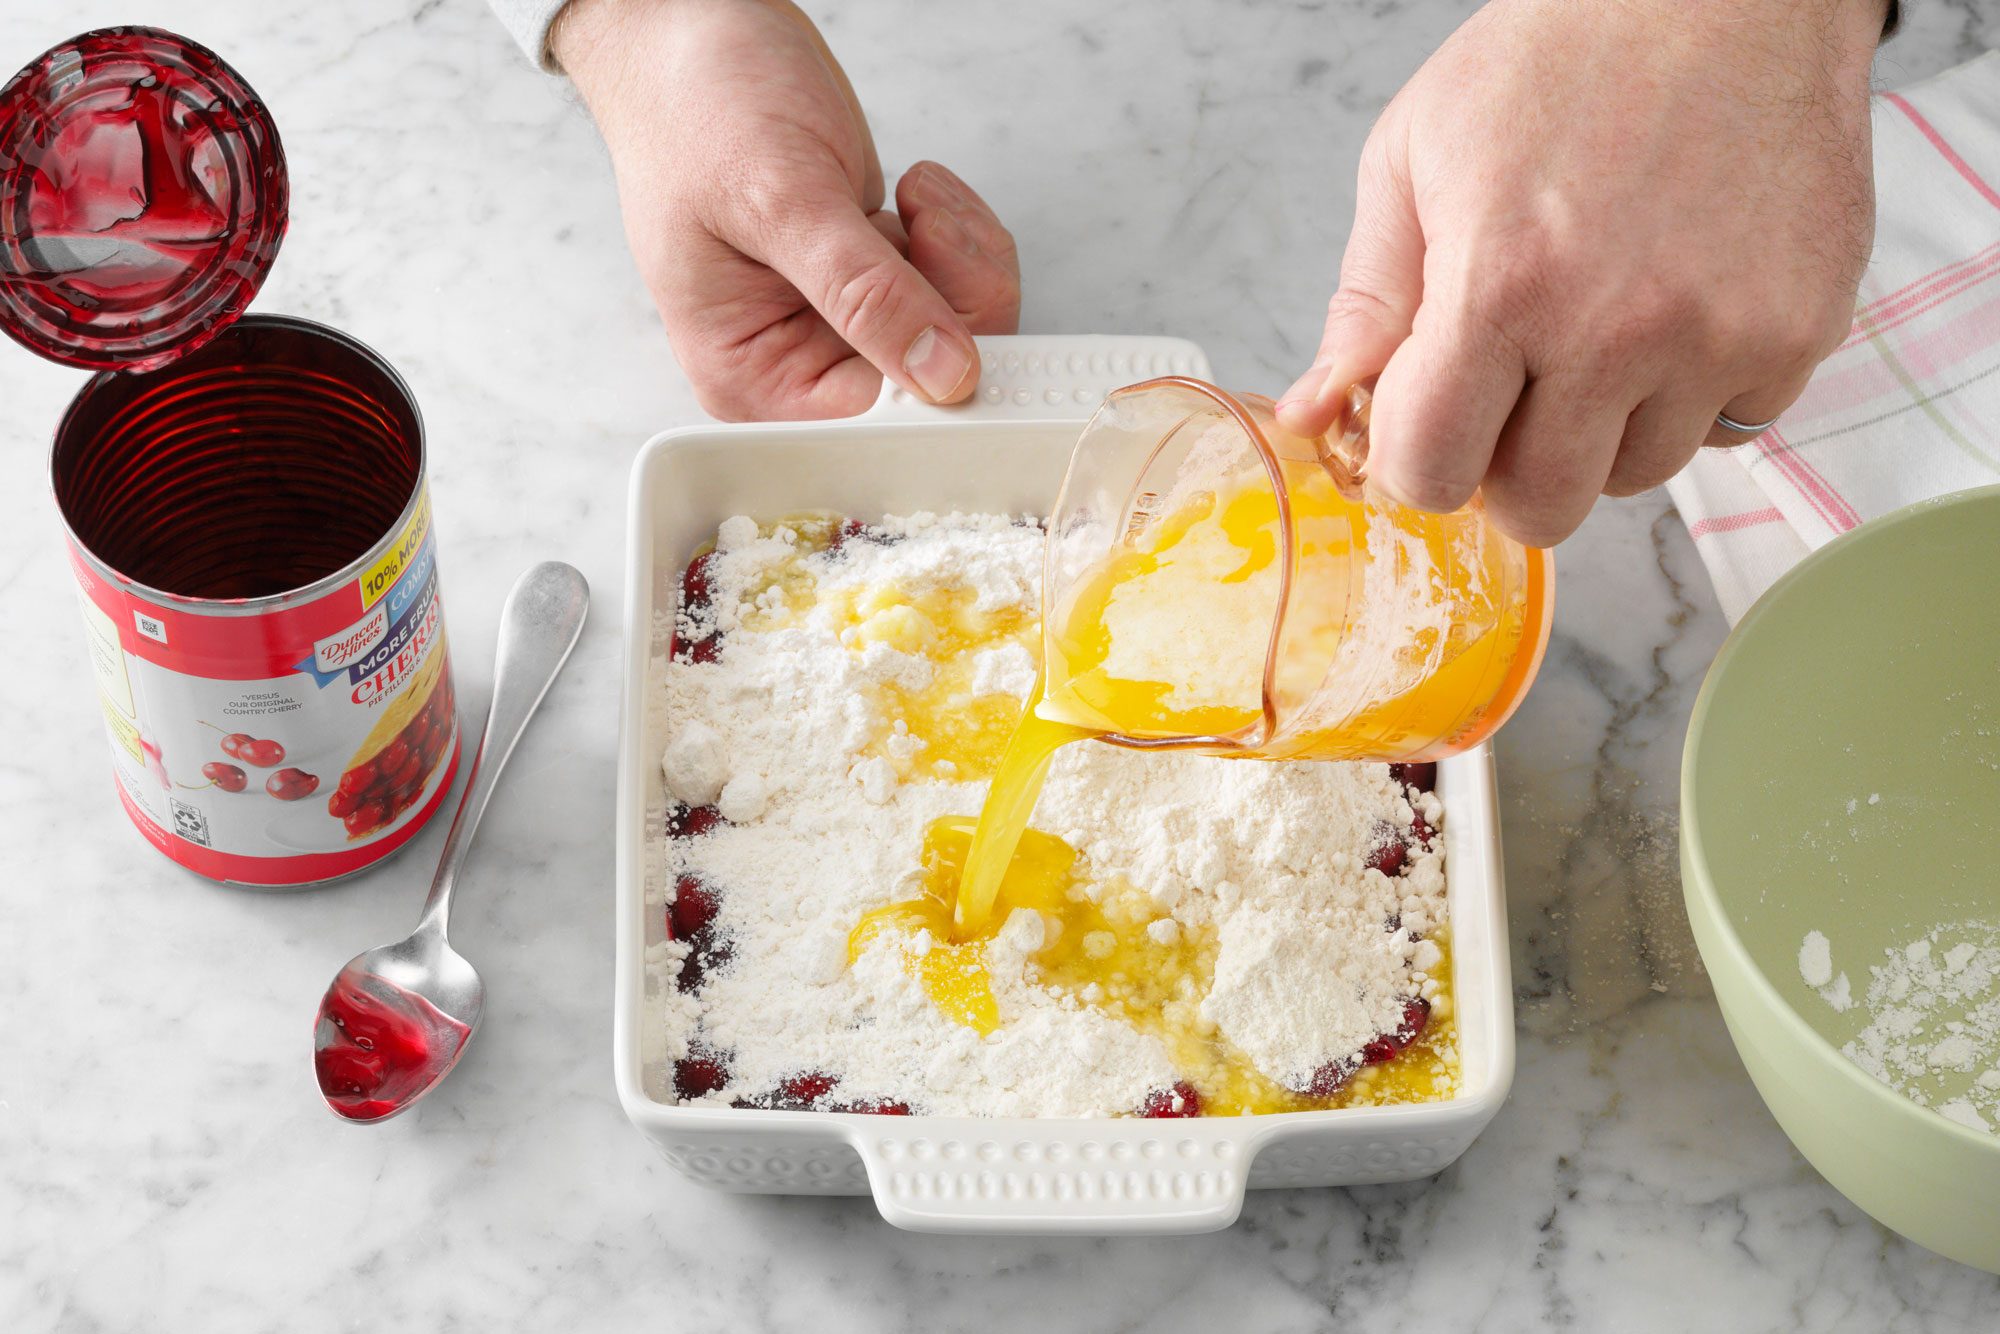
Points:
[[1005, 452]]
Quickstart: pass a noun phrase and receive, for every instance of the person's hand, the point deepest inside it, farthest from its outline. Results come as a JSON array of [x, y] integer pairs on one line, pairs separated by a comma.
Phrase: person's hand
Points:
[[1583, 230], [754, 206]]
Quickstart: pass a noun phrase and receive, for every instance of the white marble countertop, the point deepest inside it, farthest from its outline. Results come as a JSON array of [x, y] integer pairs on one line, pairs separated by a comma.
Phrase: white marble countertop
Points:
[[165, 1162]]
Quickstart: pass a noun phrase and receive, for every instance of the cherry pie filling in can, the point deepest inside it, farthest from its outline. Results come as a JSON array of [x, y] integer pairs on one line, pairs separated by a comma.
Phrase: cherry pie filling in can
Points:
[[245, 496], [251, 534]]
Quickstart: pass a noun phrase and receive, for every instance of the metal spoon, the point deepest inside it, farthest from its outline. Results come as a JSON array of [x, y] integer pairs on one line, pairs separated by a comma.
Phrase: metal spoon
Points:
[[398, 1017]]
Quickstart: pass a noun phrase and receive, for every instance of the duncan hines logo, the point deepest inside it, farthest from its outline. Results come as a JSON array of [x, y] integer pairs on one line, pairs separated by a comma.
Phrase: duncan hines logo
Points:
[[361, 648], [337, 653]]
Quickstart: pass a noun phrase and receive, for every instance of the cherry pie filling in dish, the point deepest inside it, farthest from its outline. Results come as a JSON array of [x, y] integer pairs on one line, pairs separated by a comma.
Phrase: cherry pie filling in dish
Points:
[[1177, 936]]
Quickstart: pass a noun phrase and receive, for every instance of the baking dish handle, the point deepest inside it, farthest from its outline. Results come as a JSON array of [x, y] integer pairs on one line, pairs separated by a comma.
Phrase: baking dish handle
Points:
[[1049, 377], [1090, 1178]]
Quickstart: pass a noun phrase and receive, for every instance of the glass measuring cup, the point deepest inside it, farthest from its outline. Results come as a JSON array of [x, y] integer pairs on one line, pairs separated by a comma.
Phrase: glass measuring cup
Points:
[[1214, 583]]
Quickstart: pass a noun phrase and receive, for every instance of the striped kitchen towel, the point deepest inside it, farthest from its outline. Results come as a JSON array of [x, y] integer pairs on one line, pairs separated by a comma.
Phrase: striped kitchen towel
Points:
[[1909, 407]]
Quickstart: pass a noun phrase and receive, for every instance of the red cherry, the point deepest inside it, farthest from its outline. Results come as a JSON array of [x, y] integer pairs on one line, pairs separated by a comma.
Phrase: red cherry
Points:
[[795, 1093], [1416, 1017], [853, 530], [706, 649], [849, 529], [233, 744], [695, 598], [368, 817], [291, 784], [225, 776], [873, 1107], [694, 583], [1388, 1046], [700, 1071], [359, 777], [693, 907], [692, 821], [392, 756], [342, 802], [1179, 1101], [806, 1088], [263, 754], [707, 951], [405, 773], [1388, 857], [1330, 1078], [1423, 777], [1421, 831]]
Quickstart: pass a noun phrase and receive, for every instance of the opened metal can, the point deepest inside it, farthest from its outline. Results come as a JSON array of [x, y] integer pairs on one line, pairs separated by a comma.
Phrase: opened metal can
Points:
[[245, 498]]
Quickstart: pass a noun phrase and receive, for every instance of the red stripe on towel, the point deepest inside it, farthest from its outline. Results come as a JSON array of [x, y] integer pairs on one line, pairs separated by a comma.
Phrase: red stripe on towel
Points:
[[1729, 523], [1949, 153]]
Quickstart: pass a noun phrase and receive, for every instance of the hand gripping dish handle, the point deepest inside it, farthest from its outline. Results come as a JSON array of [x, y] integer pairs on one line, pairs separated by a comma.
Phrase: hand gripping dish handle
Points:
[[1049, 377], [1127, 1177]]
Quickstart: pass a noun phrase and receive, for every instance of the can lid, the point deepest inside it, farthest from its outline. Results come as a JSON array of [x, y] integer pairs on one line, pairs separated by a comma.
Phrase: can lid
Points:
[[142, 199]]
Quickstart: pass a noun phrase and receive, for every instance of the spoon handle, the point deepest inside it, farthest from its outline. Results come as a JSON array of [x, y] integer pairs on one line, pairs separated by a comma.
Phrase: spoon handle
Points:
[[538, 627]]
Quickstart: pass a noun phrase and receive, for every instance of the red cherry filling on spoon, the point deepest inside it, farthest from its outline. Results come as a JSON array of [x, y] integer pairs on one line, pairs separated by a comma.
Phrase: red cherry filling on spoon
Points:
[[380, 1046]]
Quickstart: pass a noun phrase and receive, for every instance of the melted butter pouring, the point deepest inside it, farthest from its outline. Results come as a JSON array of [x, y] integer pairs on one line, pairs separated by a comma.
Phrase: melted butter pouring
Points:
[[952, 964], [1095, 947]]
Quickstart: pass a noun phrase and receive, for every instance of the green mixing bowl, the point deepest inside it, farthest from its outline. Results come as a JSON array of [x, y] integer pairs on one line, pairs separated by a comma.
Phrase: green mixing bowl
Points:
[[1842, 775]]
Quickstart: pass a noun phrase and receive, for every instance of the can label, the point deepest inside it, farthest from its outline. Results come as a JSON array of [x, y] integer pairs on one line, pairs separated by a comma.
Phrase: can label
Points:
[[280, 744]]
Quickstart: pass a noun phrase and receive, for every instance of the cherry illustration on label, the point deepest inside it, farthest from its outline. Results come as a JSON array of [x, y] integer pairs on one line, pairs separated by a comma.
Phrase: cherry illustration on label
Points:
[[257, 751], [263, 754], [366, 817], [291, 784], [225, 776]]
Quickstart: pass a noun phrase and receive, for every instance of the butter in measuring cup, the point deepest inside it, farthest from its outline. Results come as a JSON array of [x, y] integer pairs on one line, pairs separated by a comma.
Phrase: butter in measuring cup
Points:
[[1213, 583]]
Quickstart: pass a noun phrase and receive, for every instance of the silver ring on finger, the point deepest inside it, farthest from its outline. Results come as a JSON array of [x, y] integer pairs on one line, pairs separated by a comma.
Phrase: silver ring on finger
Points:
[[1729, 423]]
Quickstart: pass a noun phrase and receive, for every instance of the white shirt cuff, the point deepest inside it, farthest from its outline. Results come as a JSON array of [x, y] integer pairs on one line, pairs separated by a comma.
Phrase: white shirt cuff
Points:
[[529, 21]]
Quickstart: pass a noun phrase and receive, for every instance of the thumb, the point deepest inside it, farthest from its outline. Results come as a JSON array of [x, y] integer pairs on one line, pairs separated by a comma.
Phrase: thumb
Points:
[[862, 286], [1381, 284]]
